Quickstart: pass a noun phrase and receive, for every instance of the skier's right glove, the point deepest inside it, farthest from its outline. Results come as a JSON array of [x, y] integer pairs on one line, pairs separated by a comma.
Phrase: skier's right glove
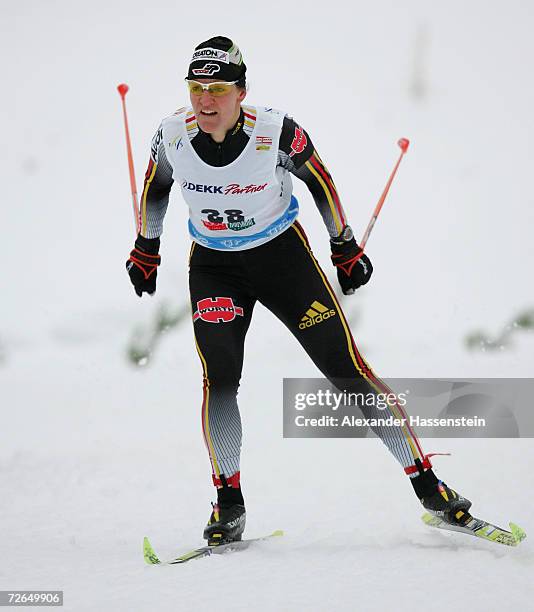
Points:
[[354, 268], [142, 265]]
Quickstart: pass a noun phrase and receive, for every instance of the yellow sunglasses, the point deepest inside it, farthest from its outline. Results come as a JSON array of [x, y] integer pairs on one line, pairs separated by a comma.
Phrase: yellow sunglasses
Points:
[[214, 89]]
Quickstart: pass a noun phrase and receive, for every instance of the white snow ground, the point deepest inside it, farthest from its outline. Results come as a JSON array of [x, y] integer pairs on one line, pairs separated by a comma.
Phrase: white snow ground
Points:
[[94, 454]]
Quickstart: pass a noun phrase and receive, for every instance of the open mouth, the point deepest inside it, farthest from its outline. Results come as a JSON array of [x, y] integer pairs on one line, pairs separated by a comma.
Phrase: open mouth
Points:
[[208, 113]]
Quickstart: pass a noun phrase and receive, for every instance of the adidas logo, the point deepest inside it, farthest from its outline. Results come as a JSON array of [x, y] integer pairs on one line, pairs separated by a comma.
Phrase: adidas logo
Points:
[[317, 313]]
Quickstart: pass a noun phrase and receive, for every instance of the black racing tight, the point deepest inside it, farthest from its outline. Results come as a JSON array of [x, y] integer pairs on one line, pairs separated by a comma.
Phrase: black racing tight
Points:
[[286, 278]]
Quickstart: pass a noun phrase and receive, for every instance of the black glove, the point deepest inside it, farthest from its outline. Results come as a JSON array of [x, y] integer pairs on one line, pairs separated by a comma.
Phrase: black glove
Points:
[[354, 268], [143, 265]]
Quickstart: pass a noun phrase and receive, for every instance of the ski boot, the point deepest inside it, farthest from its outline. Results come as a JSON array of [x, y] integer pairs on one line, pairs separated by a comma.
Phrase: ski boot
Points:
[[440, 500], [226, 524], [227, 521]]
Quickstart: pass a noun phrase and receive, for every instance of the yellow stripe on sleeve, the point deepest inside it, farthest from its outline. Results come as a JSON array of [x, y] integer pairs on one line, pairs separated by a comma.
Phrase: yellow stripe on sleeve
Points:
[[143, 199], [319, 178]]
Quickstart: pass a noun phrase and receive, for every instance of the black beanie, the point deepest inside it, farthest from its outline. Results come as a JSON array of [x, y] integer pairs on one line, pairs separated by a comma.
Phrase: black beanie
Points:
[[217, 58]]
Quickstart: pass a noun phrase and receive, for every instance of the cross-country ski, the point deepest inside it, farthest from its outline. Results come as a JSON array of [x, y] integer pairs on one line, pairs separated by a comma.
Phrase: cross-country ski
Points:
[[480, 529], [204, 551]]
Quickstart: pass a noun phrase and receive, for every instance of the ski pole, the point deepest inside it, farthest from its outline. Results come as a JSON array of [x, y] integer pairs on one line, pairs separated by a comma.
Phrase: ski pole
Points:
[[123, 90], [403, 144]]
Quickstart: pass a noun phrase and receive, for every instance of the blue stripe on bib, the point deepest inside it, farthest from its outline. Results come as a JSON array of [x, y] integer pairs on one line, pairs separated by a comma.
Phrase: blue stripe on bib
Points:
[[229, 243]]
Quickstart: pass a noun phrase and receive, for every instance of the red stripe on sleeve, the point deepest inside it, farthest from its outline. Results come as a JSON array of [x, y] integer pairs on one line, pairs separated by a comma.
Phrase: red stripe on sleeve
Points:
[[322, 171]]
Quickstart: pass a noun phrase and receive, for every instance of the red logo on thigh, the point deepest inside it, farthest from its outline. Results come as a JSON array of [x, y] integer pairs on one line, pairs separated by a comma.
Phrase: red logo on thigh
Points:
[[217, 310]]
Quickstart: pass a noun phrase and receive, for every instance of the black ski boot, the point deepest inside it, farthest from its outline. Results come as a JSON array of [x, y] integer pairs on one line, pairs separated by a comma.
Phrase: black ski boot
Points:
[[225, 525], [228, 516], [440, 500]]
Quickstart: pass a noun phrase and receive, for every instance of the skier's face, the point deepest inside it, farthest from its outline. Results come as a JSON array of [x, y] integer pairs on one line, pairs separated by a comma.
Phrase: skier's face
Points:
[[217, 114]]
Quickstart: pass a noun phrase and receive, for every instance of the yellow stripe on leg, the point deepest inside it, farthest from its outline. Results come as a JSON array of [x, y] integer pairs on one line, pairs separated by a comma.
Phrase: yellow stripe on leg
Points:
[[206, 412], [416, 454]]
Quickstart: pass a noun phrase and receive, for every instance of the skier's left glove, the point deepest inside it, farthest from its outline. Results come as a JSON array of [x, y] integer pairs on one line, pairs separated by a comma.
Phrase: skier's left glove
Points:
[[354, 268], [142, 265]]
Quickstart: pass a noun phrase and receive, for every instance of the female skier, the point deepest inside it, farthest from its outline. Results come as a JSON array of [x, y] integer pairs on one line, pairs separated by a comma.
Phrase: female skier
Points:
[[234, 165]]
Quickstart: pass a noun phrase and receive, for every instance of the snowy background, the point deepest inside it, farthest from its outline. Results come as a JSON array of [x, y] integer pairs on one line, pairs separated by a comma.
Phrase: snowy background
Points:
[[95, 454]]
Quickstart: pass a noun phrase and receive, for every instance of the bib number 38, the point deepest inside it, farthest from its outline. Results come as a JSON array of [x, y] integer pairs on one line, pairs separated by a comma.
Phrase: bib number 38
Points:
[[233, 215]]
